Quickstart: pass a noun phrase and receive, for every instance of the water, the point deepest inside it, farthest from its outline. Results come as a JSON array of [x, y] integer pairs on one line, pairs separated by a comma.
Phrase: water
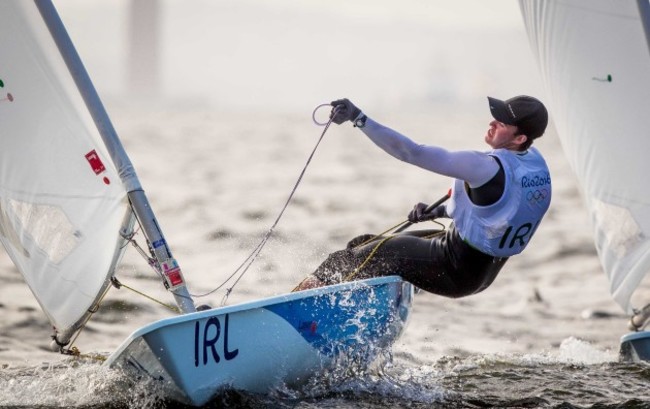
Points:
[[217, 179], [587, 378], [528, 341]]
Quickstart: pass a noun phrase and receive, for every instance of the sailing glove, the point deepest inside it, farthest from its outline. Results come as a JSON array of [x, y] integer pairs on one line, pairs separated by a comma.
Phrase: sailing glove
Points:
[[343, 110], [419, 214]]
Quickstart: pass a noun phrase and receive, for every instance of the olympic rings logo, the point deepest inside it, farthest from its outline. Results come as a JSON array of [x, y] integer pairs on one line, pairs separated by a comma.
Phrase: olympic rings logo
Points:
[[537, 195]]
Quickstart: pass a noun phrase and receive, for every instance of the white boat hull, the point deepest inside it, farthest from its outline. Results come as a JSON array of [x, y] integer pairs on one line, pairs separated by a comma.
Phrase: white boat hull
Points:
[[260, 345]]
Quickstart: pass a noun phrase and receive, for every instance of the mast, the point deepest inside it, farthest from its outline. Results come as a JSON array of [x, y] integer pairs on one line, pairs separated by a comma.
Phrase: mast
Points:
[[166, 264]]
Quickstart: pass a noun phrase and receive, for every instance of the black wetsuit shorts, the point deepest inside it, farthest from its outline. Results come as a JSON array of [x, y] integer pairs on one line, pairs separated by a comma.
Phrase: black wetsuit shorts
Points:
[[439, 262]]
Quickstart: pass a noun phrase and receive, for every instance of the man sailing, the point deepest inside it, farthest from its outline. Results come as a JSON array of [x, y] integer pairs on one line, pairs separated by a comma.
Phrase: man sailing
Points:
[[498, 199]]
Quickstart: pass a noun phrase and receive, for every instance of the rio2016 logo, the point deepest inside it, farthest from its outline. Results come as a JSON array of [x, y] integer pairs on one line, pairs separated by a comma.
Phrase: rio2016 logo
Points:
[[8, 97]]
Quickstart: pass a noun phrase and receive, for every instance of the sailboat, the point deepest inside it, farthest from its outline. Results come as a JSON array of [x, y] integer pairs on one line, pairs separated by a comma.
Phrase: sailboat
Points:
[[594, 59], [70, 199]]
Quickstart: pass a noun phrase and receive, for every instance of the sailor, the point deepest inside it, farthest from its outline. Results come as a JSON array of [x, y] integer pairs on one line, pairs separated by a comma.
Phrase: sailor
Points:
[[498, 199]]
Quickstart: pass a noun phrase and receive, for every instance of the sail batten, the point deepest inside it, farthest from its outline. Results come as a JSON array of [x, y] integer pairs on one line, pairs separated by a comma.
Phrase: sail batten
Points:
[[594, 61], [644, 13]]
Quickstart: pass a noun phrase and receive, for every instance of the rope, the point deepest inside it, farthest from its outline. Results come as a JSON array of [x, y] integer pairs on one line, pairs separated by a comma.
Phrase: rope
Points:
[[384, 240], [398, 228], [150, 260], [382, 233], [117, 284], [74, 351], [367, 260], [245, 265]]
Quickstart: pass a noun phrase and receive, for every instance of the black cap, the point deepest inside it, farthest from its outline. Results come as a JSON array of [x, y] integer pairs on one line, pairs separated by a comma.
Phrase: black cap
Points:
[[526, 113]]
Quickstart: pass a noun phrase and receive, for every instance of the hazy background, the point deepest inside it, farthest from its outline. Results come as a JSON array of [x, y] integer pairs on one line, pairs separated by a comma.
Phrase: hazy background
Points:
[[288, 56]]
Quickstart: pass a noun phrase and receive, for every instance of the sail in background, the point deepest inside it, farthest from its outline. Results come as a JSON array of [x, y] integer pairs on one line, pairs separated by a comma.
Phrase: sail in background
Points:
[[594, 60], [62, 204]]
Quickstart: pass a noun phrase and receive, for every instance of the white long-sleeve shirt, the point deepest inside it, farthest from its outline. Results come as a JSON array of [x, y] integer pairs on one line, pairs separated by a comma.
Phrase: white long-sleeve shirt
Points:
[[474, 167]]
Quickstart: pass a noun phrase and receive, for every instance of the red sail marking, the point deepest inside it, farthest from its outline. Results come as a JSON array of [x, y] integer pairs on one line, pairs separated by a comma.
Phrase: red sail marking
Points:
[[95, 162]]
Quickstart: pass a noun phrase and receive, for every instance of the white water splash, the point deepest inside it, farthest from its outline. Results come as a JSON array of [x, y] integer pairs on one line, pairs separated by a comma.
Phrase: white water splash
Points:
[[576, 351], [571, 351], [73, 384]]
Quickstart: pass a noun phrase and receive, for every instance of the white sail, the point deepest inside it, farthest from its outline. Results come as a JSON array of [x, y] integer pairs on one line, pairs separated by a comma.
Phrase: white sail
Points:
[[62, 203], [595, 64]]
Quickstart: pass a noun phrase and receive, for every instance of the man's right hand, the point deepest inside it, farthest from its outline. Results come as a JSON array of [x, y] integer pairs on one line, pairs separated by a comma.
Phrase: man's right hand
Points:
[[343, 110]]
